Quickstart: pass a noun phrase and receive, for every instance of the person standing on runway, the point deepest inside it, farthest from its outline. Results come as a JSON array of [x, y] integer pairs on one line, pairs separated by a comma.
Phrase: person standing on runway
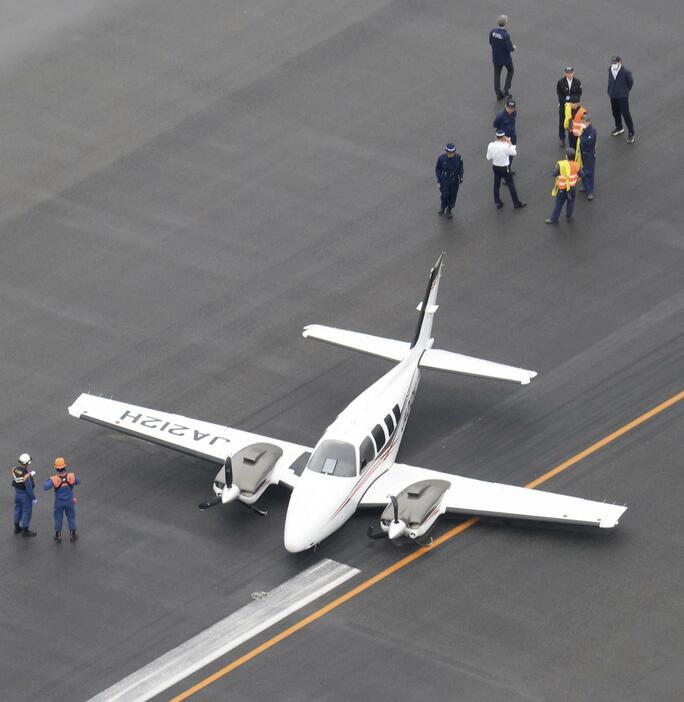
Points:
[[568, 89], [449, 174], [505, 122], [499, 152], [620, 83], [567, 173], [502, 47], [24, 497], [63, 484], [587, 144]]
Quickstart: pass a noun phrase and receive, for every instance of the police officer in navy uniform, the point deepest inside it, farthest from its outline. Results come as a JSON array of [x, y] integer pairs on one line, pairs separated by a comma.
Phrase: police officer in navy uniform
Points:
[[24, 497], [502, 47], [587, 144], [63, 484], [449, 174], [505, 122]]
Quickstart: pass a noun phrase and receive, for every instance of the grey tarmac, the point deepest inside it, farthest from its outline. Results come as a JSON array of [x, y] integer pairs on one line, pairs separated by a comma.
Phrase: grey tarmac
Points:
[[184, 186]]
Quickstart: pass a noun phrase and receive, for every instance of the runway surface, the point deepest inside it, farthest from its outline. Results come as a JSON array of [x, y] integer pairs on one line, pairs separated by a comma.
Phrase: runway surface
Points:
[[184, 186]]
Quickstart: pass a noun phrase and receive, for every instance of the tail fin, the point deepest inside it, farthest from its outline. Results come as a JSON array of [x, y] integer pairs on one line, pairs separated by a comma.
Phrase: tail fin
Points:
[[428, 306]]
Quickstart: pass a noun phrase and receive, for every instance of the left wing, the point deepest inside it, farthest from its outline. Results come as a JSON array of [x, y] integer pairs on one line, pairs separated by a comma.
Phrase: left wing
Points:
[[213, 442], [477, 497]]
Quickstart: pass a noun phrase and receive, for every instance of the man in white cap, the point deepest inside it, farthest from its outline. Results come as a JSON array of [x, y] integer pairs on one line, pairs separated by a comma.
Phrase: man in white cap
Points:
[[499, 152], [24, 497], [449, 174]]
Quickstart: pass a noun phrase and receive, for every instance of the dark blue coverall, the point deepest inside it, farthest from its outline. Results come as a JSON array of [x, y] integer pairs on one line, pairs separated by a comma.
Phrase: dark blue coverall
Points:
[[449, 174], [588, 150], [502, 47], [64, 501], [505, 122], [24, 497], [563, 197]]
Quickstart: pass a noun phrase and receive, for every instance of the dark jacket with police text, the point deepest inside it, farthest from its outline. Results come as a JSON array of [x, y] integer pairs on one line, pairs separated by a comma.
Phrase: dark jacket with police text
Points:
[[619, 87], [449, 170], [506, 123], [502, 46]]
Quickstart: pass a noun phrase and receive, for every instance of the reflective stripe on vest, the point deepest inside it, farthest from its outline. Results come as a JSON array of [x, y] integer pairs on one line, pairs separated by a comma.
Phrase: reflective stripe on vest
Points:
[[568, 174], [59, 481], [578, 124]]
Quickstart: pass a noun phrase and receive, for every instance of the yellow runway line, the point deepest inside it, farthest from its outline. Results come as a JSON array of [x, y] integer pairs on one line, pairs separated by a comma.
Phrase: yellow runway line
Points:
[[419, 553]]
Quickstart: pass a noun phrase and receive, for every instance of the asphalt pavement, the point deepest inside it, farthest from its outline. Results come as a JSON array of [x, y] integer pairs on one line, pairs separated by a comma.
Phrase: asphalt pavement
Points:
[[184, 186]]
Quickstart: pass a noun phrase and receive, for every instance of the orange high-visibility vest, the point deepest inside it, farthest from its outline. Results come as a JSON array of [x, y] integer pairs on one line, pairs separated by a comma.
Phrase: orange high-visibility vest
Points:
[[59, 480], [578, 124], [568, 175]]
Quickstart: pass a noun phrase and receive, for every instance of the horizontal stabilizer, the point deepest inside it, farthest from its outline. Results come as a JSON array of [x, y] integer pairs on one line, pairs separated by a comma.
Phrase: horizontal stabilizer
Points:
[[391, 349], [436, 359]]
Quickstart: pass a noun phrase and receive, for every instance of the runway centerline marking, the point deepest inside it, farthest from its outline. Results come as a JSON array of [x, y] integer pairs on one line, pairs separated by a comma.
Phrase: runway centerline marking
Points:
[[362, 587], [227, 634]]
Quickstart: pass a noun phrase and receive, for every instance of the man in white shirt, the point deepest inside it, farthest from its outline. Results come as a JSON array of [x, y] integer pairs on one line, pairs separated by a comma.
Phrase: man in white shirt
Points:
[[499, 152]]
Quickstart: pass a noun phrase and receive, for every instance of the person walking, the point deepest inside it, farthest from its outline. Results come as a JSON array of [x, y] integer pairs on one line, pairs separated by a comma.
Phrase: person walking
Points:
[[505, 122], [63, 484], [449, 174], [502, 48], [587, 144], [567, 173], [499, 152], [24, 497], [569, 90], [620, 82]]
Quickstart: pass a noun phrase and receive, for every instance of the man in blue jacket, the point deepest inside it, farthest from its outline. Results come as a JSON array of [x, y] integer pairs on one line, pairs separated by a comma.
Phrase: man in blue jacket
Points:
[[505, 122], [24, 497], [449, 174], [587, 144], [63, 484], [502, 47], [620, 82]]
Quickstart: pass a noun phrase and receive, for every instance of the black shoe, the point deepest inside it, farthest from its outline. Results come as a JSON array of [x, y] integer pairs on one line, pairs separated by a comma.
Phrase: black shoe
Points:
[[617, 131], [630, 138], [73, 536], [28, 532], [58, 537], [499, 205], [551, 221], [520, 205], [441, 213], [500, 96], [449, 215], [17, 528], [569, 219], [506, 93], [562, 143]]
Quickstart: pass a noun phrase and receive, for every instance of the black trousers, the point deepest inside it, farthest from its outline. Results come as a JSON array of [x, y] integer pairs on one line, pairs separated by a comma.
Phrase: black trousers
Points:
[[497, 79], [504, 173], [561, 122], [620, 107]]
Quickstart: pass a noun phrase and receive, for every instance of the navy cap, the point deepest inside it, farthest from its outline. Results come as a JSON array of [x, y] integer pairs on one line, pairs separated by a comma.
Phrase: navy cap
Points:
[[450, 147], [569, 69], [510, 103], [615, 59], [499, 133]]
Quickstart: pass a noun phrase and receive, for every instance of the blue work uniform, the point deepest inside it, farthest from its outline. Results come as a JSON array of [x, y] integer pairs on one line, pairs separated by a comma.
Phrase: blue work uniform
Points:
[[64, 498], [24, 497], [502, 47], [564, 197], [587, 144], [505, 123], [449, 174]]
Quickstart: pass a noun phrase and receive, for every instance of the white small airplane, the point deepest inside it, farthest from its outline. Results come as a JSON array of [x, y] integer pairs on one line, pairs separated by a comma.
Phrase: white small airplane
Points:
[[353, 465]]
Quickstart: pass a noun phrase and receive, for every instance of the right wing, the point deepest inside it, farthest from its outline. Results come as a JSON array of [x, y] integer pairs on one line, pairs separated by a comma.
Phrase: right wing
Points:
[[480, 498], [451, 362], [213, 442]]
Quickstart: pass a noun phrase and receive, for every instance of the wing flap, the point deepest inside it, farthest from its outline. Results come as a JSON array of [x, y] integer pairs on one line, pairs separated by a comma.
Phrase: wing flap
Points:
[[212, 442], [437, 359], [481, 498], [391, 349]]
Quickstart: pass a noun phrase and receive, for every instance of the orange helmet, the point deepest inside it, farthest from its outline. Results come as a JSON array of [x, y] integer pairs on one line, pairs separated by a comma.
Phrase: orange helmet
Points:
[[60, 463]]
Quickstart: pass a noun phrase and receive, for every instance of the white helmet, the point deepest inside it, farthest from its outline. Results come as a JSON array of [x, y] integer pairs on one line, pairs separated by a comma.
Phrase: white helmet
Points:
[[24, 459]]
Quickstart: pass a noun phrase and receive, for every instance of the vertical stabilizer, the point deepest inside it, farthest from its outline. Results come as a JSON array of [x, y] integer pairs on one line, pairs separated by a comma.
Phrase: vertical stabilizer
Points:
[[428, 306]]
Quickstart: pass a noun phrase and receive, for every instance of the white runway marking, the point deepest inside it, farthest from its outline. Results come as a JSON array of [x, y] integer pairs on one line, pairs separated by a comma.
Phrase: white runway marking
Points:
[[229, 633]]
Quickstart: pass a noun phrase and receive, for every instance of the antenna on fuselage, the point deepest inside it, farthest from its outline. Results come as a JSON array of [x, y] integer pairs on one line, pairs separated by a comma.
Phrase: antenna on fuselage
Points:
[[434, 273]]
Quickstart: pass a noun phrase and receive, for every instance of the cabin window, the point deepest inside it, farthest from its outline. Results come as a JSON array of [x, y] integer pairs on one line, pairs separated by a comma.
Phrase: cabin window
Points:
[[389, 423], [366, 452], [336, 458], [379, 436], [397, 412]]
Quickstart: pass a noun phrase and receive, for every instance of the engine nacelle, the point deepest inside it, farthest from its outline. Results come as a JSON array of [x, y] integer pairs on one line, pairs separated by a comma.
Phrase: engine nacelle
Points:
[[245, 476]]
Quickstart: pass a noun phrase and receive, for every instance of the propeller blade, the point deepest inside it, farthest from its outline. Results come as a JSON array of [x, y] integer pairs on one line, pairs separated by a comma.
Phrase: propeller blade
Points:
[[372, 535], [210, 503], [254, 509]]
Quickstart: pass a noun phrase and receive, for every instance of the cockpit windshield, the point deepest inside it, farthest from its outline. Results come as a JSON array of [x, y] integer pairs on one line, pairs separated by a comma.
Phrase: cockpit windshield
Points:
[[334, 458]]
